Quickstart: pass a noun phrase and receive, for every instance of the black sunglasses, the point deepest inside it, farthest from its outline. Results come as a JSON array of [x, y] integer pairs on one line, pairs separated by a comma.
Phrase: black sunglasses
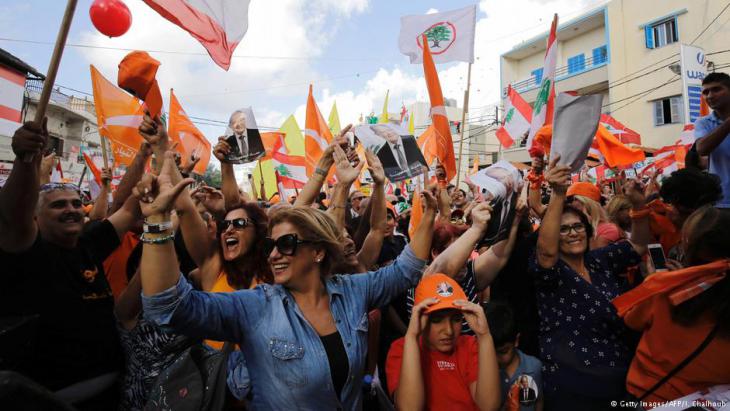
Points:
[[286, 244], [237, 223]]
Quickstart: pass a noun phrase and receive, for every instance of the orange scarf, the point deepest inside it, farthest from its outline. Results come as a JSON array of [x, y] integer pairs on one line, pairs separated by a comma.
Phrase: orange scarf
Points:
[[681, 285]]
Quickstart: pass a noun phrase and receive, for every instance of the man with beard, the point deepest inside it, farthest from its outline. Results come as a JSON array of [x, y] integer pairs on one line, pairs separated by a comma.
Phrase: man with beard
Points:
[[53, 277]]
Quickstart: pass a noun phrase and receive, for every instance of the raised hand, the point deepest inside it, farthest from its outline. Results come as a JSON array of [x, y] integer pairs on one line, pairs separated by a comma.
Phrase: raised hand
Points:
[[157, 194], [558, 176], [634, 191], [375, 167], [474, 316], [419, 320], [221, 150], [429, 197], [344, 171], [30, 139], [47, 163], [106, 176], [153, 131], [480, 216]]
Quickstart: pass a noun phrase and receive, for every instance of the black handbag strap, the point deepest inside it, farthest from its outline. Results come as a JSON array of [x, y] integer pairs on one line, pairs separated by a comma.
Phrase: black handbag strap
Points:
[[684, 363]]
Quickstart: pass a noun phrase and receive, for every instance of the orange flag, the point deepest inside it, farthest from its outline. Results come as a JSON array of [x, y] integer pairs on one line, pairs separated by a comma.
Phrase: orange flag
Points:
[[317, 135], [270, 140], [190, 139], [118, 115], [441, 143]]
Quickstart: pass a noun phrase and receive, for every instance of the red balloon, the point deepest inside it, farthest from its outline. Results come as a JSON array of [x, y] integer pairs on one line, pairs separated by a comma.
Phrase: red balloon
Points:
[[110, 17]]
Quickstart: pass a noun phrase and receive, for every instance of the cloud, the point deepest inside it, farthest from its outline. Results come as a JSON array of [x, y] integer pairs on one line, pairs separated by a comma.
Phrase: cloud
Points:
[[432, 11]]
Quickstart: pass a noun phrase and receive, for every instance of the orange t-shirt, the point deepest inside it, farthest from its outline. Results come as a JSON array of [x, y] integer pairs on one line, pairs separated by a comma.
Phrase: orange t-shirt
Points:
[[115, 266], [446, 376], [221, 286], [665, 344]]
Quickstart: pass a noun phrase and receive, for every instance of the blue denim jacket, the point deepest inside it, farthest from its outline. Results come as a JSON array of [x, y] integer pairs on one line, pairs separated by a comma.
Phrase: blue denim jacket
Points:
[[286, 359]]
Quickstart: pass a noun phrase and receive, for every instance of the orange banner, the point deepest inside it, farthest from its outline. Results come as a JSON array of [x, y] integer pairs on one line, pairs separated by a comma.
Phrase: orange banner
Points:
[[190, 139]]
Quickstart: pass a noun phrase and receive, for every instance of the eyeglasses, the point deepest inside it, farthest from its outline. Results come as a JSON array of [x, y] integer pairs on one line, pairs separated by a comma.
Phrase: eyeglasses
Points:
[[59, 186], [577, 227], [237, 223], [286, 244]]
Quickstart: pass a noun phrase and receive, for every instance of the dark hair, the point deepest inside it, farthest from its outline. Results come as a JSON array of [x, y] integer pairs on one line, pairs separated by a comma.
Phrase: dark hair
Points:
[[717, 77], [707, 241], [254, 263], [691, 188], [583, 219], [443, 234], [462, 192], [502, 324]]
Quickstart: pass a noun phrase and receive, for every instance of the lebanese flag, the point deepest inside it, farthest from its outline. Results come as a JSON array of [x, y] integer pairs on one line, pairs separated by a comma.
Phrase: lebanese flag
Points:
[[516, 119], [219, 25], [12, 89], [94, 176], [57, 173], [687, 137], [118, 115], [438, 142], [667, 160], [190, 139], [542, 112], [280, 187], [317, 136], [290, 170], [623, 133]]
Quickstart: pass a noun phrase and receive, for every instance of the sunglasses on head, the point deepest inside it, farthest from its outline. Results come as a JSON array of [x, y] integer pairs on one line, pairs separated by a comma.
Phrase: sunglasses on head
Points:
[[237, 223], [59, 186], [286, 244]]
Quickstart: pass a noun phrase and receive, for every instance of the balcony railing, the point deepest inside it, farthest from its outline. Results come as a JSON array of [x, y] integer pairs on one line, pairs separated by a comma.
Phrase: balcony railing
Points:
[[58, 97], [560, 74]]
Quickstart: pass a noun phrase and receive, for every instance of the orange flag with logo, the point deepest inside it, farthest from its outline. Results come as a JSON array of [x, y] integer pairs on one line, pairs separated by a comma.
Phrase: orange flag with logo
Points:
[[190, 139], [441, 144], [118, 115], [317, 135]]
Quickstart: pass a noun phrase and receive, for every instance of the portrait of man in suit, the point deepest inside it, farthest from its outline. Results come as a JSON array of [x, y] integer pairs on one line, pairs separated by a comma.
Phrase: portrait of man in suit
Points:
[[243, 137], [528, 395], [400, 154]]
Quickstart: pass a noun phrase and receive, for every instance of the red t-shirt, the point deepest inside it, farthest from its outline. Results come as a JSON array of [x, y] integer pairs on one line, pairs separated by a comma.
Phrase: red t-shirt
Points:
[[446, 376]]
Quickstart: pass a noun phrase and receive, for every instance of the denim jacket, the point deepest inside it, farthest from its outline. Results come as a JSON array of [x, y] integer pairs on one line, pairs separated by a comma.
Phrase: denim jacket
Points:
[[286, 360]]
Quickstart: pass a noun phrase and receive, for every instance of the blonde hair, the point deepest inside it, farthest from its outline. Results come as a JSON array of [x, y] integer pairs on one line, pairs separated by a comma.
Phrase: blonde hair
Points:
[[615, 206], [315, 226], [594, 211]]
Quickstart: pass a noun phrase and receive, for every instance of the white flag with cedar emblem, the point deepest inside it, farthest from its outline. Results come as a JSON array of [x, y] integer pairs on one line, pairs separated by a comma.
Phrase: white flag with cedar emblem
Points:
[[450, 35]]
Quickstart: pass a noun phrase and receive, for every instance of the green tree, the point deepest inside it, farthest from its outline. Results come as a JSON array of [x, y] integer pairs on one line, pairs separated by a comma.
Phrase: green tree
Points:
[[212, 176], [438, 34]]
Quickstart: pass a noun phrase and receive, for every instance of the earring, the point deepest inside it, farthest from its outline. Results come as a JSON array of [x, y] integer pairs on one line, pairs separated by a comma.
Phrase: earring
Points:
[[318, 260]]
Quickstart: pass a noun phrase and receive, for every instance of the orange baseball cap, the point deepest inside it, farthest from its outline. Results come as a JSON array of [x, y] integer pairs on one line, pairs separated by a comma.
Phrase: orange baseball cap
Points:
[[137, 73], [442, 287], [584, 189]]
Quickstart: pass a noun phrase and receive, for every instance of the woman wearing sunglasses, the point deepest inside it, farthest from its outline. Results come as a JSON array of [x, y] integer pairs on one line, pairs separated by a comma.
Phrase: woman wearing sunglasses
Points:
[[305, 337], [585, 347]]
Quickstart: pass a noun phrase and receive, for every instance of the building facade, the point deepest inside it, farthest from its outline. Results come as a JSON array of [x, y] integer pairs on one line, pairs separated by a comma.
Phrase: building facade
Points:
[[627, 51]]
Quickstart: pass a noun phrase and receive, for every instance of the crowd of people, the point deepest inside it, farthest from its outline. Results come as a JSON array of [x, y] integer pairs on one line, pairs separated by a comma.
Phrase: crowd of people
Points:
[[177, 295]]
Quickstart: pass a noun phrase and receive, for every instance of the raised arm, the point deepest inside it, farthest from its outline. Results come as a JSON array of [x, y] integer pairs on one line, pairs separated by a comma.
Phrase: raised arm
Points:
[[641, 234], [228, 177], [192, 226], [47, 164], [411, 393], [548, 240], [534, 193], [708, 143], [489, 264], [453, 258], [190, 165], [311, 189], [19, 196], [131, 177], [100, 210], [486, 389], [370, 250], [346, 175]]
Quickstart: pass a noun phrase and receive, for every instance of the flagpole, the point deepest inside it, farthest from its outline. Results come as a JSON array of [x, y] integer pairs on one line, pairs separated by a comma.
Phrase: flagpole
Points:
[[104, 155], [463, 123], [45, 96]]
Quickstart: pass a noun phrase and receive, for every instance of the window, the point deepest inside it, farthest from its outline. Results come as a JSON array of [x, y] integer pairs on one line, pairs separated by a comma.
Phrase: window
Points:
[[576, 63], [669, 110], [600, 55], [537, 74], [662, 33]]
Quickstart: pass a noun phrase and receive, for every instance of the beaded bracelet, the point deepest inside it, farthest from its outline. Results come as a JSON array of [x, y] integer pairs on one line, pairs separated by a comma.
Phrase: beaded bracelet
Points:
[[158, 240]]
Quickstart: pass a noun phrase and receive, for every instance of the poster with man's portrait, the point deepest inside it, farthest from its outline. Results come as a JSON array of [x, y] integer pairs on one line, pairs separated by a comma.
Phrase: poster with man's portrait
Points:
[[500, 185], [396, 149], [242, 135]]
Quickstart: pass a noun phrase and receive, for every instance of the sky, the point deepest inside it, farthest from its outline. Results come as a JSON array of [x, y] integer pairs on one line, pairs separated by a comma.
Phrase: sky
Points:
[[348, 50]]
